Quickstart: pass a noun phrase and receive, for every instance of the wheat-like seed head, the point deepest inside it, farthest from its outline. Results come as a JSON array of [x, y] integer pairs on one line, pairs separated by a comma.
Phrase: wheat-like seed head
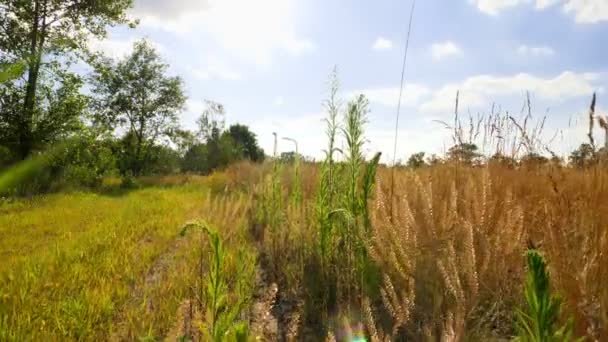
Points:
[[369, 321], [470, 259]]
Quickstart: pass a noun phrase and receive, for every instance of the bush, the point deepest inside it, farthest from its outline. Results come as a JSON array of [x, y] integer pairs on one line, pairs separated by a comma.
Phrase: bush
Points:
[[76, 163], [85, 162], [5, 157], [128, 181]]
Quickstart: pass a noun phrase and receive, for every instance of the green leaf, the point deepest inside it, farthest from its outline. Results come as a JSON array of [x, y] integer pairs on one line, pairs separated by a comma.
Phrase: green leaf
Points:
[[9, 72]]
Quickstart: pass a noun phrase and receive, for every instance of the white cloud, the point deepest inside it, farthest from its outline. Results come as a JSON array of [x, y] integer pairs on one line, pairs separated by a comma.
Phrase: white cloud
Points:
[[493, 7], [299, 46], [171, 10], [445, 49], [195, 106], [119, 48], [389, 96], [382, 43], [252, 30], [216, 68], [483, 89], [279, 101], [535, 51], [585, 11]]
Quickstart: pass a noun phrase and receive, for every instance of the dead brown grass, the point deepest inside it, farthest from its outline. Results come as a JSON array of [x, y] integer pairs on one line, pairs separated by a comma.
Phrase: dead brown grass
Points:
[[452, 254]]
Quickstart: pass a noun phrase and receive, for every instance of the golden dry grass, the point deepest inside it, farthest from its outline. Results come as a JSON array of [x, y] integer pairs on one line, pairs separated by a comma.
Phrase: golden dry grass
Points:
[[452, 254]]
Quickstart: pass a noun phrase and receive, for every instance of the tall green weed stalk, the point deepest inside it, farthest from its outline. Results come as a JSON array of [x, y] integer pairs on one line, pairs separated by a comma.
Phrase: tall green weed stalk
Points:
[[538, 321], [223, 304], [327, 186], [350, 235]]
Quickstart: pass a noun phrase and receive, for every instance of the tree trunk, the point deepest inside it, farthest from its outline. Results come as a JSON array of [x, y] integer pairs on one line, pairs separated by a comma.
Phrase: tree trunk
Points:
[[29, 103]]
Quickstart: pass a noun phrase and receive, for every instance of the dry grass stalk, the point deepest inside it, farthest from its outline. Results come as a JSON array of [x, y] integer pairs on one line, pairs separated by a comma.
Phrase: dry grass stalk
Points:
[[591, 121], [603, 122]]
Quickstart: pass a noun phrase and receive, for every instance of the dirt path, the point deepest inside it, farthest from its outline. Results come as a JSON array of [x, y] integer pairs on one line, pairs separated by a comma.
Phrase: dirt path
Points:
[[272, 317], [153, 277]]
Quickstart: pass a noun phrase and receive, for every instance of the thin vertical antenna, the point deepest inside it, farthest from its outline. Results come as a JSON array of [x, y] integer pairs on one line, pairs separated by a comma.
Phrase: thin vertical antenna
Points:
[[407, 44]]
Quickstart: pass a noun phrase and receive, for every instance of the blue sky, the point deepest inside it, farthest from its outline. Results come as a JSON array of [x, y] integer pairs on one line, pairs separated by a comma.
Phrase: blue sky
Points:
[[268, 62]]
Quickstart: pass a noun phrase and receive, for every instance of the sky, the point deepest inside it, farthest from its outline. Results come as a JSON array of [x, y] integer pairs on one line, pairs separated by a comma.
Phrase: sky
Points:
[[268, 63]]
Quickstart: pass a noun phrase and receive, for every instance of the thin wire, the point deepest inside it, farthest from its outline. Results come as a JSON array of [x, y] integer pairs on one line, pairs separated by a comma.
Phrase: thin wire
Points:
[[407, 44]]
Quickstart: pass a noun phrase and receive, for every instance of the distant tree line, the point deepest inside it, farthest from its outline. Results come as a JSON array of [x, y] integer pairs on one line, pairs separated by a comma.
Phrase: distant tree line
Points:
[[121, 118], [468, 154]]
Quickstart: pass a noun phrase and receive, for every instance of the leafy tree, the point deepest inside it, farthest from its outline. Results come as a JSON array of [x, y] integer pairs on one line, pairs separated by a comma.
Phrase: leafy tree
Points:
[[195, 159], [556, 160], [583, 156], [212, 121], [163, 160], [247, 142], [416, 160], [534, 160], [183, 139], [213, 147], [84, 160], [288, 157], [136, 94], [203, 155], [40, 33], [503, 160], [214, 154], [464, 153], [11, 71], [227, 151], [434, 160], [58, 113]]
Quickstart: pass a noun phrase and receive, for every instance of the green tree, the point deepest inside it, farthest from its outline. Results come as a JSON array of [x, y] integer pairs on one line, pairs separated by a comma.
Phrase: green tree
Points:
[[583, 156], [195, 159], [136, 94], [503, 160], [534, 160], [183, 139], [434, 160], [247, 142], [212, 147], [288, 157], [416, 160], [464, 153], [215, 154], [60, 108], [211, 122], [42, 33]]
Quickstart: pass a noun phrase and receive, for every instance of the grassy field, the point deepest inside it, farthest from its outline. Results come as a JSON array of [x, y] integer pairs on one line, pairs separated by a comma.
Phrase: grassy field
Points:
[[85, 265], [442, 260]]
